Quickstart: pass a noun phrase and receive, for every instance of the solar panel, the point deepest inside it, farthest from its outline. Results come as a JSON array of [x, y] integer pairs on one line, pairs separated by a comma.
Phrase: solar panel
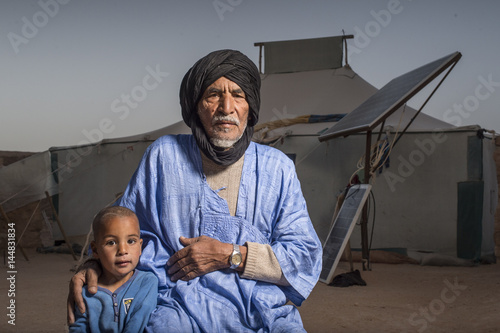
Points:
[[387, 100], [342, 228]]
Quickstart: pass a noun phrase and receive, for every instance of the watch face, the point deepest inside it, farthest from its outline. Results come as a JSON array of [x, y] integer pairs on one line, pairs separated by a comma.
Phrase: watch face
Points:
[[236, 259]]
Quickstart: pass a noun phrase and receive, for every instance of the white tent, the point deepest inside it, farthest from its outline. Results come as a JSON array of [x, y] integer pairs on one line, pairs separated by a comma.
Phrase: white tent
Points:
[[26, 181], [422, 196], [416, 196], [93, 176]]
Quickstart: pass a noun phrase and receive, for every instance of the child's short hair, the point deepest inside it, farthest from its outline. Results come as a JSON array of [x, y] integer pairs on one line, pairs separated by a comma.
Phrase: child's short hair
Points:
[[108, 213]]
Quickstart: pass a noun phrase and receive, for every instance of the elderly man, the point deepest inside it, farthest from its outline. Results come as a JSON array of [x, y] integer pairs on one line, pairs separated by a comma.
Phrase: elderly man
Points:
[[224, 221]]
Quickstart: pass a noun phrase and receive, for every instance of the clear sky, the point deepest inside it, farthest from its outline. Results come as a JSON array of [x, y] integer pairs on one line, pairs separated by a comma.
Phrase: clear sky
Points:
[[67, 67]]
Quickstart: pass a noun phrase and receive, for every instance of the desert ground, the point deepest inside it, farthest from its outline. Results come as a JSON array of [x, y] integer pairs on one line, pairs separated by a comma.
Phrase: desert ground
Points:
[[396, 298]]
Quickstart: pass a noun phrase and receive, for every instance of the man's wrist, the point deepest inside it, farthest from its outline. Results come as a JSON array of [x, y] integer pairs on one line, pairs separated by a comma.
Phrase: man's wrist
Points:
[[243, 254], [235, 258]]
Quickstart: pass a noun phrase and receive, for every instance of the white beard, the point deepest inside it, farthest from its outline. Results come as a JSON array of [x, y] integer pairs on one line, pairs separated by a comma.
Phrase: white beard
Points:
[[225, 143]]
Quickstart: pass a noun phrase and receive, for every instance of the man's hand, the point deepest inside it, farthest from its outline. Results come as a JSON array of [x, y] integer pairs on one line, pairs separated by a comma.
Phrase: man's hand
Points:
[[200, 256], [87, 272]]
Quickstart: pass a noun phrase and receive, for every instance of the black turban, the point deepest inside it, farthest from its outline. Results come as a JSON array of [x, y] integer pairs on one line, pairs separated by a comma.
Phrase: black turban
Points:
[[234, 66]]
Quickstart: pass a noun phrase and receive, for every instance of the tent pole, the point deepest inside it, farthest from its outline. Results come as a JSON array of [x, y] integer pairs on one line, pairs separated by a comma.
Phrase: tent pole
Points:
[[260, 45], [60, 224], [364, 216], [9, 222]]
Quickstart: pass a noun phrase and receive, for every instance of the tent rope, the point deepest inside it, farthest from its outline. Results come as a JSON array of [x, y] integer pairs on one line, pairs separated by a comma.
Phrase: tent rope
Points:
[[27, 224]]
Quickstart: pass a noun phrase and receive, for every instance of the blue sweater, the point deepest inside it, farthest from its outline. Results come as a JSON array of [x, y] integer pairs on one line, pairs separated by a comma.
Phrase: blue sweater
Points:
[[126, 310]]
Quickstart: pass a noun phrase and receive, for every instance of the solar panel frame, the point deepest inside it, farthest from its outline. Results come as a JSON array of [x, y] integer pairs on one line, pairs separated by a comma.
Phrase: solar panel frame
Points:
[[341, 229], [387, 100]]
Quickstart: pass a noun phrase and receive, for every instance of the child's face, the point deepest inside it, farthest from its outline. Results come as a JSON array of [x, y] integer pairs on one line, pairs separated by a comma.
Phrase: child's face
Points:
[[118, 247]]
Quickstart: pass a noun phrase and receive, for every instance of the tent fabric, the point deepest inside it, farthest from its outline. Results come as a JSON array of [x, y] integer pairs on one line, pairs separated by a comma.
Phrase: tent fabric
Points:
[[426, 165], [94, 181], [26, 181], [176, 128], [310, 118], [424, 172], [303, 55], [333, 91], [491, 195]]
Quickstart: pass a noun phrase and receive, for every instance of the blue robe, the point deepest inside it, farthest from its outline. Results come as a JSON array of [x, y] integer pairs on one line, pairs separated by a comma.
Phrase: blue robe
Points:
[[172, 198], [126, 310]]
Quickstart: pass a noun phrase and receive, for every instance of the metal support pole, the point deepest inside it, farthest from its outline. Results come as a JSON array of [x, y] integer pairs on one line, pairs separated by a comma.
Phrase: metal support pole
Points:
[[260, 45], [364, 217]]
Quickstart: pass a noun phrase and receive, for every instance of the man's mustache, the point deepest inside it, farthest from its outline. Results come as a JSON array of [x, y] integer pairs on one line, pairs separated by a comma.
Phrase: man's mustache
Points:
[[230, 119]]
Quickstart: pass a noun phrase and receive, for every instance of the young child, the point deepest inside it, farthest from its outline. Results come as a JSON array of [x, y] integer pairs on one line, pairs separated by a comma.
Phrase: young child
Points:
[[126, 296]]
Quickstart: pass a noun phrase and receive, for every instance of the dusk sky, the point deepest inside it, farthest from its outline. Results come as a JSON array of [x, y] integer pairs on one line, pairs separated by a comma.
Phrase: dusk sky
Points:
[[67, 65]]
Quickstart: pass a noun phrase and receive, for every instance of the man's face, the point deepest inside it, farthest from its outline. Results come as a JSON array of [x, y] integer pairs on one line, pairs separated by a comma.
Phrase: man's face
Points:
[[223, 111]]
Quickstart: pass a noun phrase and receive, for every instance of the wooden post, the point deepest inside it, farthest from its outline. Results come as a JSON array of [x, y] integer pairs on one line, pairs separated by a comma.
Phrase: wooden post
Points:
[[348, 254], [60, 225], [8, 222], [260, 45]]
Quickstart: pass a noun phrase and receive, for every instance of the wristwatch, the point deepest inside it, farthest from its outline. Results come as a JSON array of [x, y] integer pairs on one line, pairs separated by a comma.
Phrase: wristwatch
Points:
[[235, 258]]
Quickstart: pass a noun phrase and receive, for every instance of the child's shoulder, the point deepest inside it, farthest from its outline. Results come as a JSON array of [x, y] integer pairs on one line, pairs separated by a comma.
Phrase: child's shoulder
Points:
[[145, 276]]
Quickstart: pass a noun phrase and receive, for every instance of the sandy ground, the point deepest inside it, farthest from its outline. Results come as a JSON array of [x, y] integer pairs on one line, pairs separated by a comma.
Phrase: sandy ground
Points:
[[397, 298]]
